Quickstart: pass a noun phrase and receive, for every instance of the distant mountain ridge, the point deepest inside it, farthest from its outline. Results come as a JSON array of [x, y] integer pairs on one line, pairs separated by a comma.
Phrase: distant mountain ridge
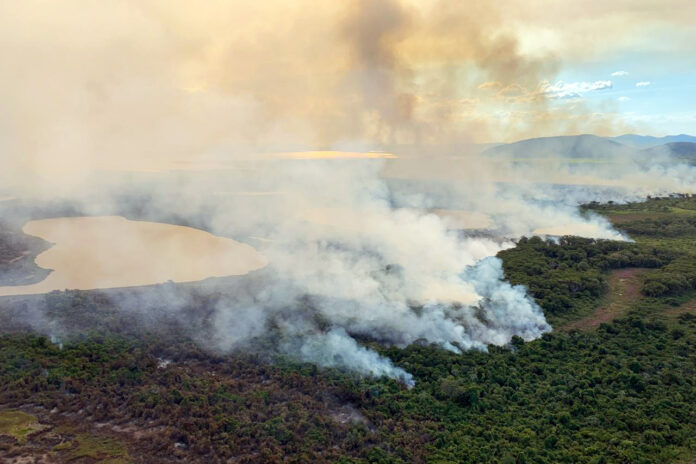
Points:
[[681, 150], [646, 141], [568, 146], [591, 146]]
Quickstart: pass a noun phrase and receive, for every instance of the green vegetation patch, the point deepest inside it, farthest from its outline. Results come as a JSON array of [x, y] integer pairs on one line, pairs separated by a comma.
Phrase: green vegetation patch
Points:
[[669, 226], [63, 446], [18, 424], [567, 277], [98, 447], [622, 393]]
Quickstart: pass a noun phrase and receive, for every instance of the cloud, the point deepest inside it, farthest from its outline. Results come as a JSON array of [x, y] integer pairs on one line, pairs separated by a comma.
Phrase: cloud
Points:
[[623, 99], [643, 83], [572, 89], [489, 85], [619, 74]]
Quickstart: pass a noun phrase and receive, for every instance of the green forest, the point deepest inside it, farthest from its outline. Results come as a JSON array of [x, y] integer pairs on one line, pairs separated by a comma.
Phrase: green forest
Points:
[[612, 383]]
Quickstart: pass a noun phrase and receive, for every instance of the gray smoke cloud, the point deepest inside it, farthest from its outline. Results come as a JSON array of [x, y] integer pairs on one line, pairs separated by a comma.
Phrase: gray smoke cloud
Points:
[[336, 348]]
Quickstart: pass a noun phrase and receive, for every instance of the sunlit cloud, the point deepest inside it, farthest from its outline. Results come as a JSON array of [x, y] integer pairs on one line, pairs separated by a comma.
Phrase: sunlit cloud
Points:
[[572, 89], [643, 83]]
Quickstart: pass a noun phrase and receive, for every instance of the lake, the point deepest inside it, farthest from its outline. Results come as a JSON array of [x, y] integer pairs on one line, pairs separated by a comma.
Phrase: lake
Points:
[[111, 251]]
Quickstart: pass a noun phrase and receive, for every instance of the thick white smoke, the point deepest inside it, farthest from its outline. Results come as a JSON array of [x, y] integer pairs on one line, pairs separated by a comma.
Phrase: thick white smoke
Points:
[[336, 348], [343, 261]]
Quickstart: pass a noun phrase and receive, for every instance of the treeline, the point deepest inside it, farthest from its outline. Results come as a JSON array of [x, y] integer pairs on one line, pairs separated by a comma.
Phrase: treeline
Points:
[[568, 274], [667, 224], [675, 279], [207, 408], [651, 204], [609, 396], [662, 226], [17, 253], [624, 393]]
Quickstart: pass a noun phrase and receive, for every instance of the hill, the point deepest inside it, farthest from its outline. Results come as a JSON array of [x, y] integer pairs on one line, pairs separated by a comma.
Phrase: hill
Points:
[[685, 151], [572, 146], [647, 141], [591, 146]]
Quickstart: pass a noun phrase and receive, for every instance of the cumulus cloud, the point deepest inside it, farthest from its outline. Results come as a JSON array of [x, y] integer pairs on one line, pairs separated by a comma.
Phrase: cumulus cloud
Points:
[[623, 99], [619, 74], [643, 83], [563, 89]]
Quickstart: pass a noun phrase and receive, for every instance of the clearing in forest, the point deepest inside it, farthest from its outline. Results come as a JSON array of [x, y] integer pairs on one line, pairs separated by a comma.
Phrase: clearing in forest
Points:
[[624, 289]]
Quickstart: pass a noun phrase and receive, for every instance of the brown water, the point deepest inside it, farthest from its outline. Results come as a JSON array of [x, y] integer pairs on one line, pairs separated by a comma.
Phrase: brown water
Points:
[[111, 251]]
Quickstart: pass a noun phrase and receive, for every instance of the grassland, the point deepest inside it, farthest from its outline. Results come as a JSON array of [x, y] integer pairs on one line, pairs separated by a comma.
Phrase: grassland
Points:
[[18, 424], [24, 436]]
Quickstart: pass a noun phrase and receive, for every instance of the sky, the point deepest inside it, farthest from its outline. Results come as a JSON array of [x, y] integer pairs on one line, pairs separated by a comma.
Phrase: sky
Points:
[[629, 62], [653, 91], [117, 83]]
